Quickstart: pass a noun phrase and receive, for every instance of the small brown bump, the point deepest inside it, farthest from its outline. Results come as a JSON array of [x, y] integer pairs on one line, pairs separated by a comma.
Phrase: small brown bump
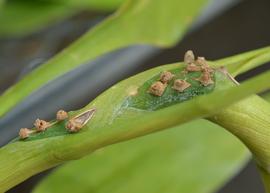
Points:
[[207, 69], [193, 68], [76, 123], [204, 65], [205, 79], [41, 125], [24, 133], [189, 57], [73, 126], [201, 61], [166, 76], [180, 85], [61, 115], [157, 88]]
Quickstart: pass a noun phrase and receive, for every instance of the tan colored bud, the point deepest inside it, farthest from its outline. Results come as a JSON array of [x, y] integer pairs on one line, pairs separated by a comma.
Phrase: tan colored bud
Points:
[[41, 125], [189, 57], [157, 88], [193, 68], [205, 79], [73, 126], [61, 115], [180, 85], [166, 76], [24, 133], [76, 123]]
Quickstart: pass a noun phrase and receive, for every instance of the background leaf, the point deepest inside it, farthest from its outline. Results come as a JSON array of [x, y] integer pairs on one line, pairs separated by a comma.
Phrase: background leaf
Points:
[[136, 22], [19, 18], [104, 5], [197, 157]]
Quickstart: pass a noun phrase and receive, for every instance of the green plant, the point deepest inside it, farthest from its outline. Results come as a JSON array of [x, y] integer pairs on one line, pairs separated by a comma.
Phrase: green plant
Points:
[[241, 113]]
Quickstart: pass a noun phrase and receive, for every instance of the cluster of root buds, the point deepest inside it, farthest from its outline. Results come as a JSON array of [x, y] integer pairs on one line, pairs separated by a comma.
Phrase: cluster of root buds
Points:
[[199, 65], [180, 85], [73, 125], [42, 125]]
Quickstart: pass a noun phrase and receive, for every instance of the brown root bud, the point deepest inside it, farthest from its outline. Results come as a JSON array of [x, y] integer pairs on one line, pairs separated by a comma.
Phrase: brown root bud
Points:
[[201, 61], [204, 65], [61, 115], [193, 68], [24, 133], [73, 126], [180, 85], [41, 125], [76, 123], [205, 79], [157, 88], [189, 57], [166, 76]]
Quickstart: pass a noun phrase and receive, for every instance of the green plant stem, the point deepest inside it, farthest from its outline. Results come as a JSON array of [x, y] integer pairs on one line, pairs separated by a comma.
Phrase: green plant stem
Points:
[[22, 159], [249, 120]]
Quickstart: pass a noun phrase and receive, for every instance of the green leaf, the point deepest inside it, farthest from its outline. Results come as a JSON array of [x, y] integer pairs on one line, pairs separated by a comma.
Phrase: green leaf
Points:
[[112, 124], [20, 18], [243, 62], [176, 160], [155, 22], [104, 5]]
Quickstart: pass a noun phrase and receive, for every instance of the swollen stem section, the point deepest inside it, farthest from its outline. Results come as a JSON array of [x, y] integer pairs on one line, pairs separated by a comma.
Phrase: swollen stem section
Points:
[[249, 120]]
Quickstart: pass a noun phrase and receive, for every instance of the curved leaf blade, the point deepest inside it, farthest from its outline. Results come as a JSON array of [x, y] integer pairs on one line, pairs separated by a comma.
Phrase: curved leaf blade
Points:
[[20, 18]]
